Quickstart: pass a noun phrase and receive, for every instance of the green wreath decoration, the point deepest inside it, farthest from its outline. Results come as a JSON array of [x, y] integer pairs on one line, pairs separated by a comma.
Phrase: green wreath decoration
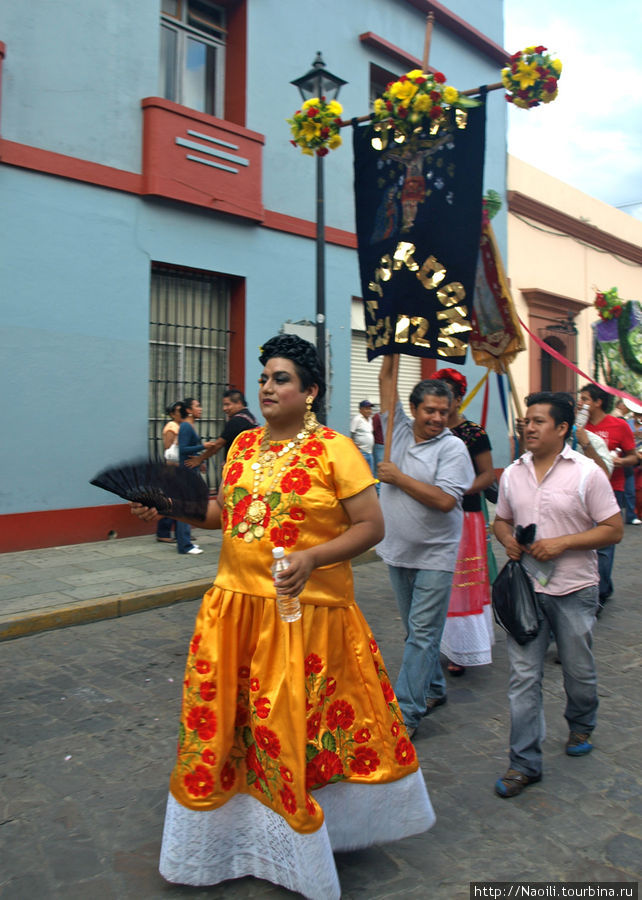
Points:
[[624, 331]]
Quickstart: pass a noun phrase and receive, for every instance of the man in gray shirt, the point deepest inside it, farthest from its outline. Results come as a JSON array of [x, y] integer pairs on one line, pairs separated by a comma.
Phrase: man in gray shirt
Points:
[[421, 493]]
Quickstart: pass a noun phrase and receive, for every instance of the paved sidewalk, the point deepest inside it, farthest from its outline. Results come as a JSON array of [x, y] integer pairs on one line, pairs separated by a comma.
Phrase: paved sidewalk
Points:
[[59, 586]]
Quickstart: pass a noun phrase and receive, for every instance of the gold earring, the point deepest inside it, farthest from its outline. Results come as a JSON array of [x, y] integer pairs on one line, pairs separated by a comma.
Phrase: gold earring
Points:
[[310, 421]]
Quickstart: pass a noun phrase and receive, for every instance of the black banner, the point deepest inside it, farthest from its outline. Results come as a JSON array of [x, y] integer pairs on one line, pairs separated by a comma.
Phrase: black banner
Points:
[[418, 207]]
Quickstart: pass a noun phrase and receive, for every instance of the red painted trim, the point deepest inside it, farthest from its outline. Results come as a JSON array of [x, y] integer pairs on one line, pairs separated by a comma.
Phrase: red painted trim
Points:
[[460, 27], [185, 112], [304, 228], [370, 39], [236, 63], [428, 367], [59, 527], [49, 163]]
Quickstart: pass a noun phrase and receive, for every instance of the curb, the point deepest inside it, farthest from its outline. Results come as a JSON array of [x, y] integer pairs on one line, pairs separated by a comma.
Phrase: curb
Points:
[[113, 607]]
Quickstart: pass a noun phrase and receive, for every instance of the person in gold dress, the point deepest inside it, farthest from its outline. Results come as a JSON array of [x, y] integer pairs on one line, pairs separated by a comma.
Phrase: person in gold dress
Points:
[[291, 742]]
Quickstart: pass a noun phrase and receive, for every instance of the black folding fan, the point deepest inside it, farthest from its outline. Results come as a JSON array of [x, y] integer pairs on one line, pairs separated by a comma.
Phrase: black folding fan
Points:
[[176, 491]]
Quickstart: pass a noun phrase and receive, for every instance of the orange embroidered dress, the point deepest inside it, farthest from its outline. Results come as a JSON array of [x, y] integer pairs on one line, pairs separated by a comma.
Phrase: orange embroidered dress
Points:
[[291, 742]]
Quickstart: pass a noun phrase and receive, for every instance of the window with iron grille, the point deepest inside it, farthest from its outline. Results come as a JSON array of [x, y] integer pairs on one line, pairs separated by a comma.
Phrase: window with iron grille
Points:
[[189, 345]]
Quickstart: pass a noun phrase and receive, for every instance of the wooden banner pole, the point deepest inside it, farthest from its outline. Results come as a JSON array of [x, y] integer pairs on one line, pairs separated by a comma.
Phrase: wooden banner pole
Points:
[[430, 21], [394, 377]]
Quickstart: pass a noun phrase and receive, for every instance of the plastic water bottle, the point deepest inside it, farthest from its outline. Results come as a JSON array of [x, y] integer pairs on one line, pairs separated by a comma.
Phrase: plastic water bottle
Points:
[[582, 417], [289, 607]]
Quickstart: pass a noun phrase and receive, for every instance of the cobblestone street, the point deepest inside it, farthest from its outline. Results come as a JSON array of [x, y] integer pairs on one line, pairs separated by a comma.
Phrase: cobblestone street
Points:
[[89, 722]]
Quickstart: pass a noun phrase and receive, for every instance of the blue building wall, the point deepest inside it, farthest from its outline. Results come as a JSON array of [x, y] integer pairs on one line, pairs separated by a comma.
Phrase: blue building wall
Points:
[[76, 257]]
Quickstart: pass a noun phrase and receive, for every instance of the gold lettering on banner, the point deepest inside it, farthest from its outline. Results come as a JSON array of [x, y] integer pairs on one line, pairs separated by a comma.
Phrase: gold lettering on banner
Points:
[[418, 336], [372, 306], [375, 288], [404, 256], [454, 347], [431, 273], [451, 293]]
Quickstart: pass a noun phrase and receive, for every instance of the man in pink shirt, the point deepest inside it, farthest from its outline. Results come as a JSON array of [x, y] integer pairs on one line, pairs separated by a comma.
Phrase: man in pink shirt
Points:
[[620, 441], [570, 500]]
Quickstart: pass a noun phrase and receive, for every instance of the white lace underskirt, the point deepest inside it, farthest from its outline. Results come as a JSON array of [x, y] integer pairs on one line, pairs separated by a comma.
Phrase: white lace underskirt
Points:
[[467, 640], [244, 837]]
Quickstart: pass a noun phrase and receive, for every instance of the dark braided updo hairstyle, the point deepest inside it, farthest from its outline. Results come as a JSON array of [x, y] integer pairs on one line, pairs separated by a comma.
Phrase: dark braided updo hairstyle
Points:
[[304, 357]]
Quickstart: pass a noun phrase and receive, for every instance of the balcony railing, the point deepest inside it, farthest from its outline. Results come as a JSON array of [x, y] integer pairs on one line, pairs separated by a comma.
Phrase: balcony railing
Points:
[[199, 159]]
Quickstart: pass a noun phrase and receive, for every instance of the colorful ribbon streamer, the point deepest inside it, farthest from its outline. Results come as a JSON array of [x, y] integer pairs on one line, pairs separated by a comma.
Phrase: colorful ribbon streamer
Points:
[[616, 392]]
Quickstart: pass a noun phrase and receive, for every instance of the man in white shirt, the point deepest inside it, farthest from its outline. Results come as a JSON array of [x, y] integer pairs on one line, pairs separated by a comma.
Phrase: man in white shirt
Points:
[[361, 432]]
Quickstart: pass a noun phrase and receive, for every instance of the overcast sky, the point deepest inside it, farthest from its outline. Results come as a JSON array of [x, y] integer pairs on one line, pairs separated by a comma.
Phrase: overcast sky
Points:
[[591, 135]]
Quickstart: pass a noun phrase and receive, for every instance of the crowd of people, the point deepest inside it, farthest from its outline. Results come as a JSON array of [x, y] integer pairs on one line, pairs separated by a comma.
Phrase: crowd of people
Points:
[[293, 742]]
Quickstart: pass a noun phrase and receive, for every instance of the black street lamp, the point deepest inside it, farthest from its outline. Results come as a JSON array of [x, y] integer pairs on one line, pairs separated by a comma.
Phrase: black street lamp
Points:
[[318, 82]]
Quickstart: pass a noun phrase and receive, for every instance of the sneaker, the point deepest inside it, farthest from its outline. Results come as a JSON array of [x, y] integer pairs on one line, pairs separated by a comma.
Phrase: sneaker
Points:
[[635, 521], [513, 783], [194, 551], [578, 744]]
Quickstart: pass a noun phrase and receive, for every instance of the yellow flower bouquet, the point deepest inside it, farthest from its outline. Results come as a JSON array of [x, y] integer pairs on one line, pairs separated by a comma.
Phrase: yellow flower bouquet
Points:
[[315, 127], [416, 102], [531, 78]]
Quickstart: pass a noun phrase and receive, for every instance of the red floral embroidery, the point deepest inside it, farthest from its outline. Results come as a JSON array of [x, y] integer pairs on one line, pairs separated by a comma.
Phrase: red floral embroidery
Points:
[[262, 707], [228, 777], [253, 765], [324, 766], [328, 434], [311, 463], [246, 439], [202, 666], [405, 752], [285, 536], [388, 692], [362, 736], [234, 473], [395, 728], [254, 684], [309, 805], [203, 721], [297, 481], [297, 513], [207, 691], [208, 757], [288, 799], [196, 640], [312, 447], [267, 741], [313, 663], [331, 686], [240, 510], [373, 646], [340, 715], [225, 518], [313, 725], [199, 783], [285, 773], [365, 761]]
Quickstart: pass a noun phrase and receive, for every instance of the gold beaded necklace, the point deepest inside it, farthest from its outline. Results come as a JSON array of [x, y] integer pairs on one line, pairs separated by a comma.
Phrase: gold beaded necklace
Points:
[[264, 467]]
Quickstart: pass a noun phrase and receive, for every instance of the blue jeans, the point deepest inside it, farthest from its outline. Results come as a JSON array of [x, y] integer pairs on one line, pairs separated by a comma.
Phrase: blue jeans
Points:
[[183, 537], [605, 557], [628, 508], [368, 458], [570, 618], [164, 527], [422, 597]]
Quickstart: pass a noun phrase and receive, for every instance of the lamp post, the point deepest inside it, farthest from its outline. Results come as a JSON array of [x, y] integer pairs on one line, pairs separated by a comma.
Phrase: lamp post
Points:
[[318, 82]]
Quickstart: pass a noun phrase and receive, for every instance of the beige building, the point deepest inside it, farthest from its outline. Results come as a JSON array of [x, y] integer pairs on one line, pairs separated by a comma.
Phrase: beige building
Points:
[[563, 246]]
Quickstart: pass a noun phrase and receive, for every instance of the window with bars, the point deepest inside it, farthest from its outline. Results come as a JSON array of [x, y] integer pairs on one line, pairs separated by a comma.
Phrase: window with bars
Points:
[[189, 345], [192, 54]]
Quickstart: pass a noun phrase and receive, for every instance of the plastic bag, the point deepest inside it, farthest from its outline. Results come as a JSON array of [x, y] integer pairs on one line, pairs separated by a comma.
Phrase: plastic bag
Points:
[[514, 604]]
